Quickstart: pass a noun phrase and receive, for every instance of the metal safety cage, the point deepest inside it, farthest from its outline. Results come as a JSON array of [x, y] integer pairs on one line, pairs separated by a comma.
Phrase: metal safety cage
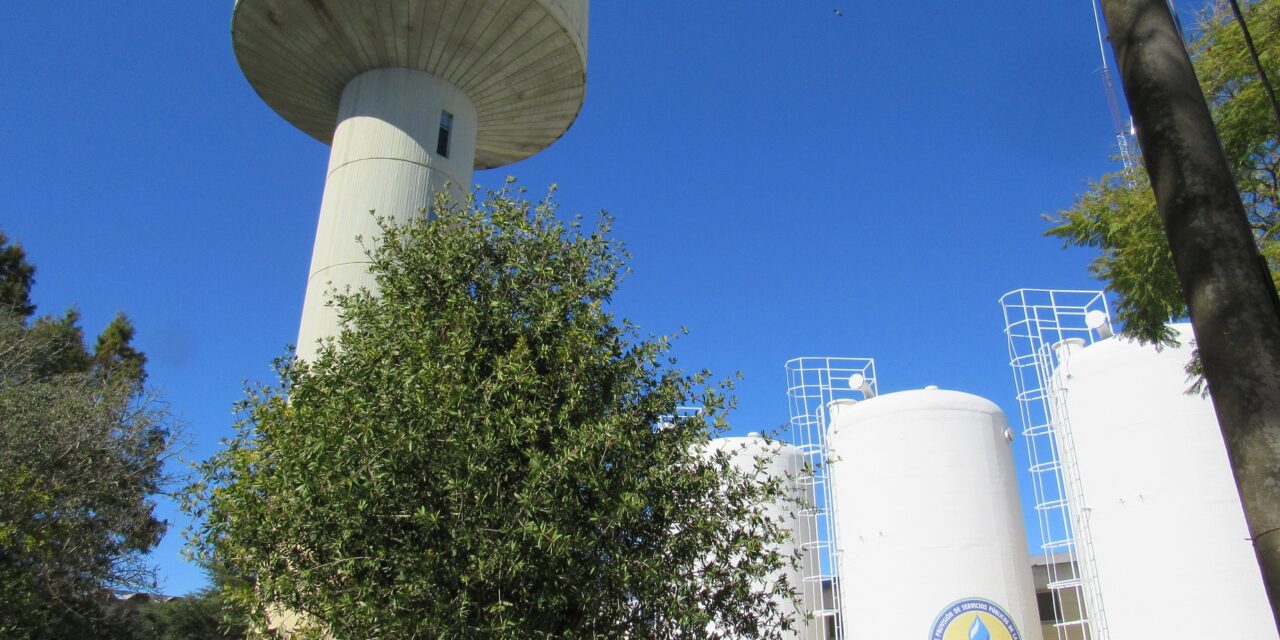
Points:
[[666, 421], [1037, 322], [812, 384]]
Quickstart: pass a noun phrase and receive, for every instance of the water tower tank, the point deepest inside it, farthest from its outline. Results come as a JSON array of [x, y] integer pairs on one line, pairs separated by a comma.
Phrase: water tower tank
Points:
[[930, 535], [1166, 534], [413, 95], [782, 461]]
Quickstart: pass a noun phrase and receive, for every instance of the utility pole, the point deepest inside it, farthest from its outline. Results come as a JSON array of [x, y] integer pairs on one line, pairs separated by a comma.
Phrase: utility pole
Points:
[[1226, 283]]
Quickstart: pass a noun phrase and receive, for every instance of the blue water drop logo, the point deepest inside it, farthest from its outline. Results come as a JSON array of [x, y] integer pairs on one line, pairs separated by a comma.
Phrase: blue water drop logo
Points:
[[978, 631], [969, 619]]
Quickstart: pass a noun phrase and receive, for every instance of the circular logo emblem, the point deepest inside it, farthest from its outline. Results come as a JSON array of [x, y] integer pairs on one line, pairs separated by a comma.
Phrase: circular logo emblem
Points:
[[973, 619]]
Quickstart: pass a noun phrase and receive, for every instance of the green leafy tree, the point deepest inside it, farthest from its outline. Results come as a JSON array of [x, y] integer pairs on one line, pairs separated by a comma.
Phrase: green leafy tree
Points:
[[82, 449], [204, 615], [199, 616], [1118, 213], [484, 452]]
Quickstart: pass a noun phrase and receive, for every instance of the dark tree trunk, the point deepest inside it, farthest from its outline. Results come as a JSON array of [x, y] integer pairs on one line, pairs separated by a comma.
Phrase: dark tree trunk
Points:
[[1228, 290]]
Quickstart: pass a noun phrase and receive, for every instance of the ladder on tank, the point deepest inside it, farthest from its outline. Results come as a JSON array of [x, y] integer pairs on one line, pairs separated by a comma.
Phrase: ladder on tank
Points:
[[1036, 321], [812, 384]]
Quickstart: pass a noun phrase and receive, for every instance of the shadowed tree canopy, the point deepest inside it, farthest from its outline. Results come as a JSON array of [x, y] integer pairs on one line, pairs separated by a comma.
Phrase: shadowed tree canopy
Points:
[[204, 615], [82, 449], [16, 277], [485, 452]]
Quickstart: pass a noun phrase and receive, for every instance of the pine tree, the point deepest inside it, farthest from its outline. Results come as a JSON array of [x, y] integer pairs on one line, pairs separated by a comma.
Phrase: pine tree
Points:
[[16, 278], [82, 450]]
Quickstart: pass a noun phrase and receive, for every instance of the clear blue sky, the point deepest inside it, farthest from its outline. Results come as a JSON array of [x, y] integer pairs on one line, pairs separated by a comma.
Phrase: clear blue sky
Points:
[[790, 183]]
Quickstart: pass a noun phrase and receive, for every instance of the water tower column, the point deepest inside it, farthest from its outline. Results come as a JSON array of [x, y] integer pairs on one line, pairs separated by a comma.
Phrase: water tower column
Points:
[[411, 94], [402, 134]]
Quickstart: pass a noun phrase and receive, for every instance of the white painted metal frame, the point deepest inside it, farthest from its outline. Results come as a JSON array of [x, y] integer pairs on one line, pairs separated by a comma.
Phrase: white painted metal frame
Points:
[[812, 384], [666, 421], [1035, 321]]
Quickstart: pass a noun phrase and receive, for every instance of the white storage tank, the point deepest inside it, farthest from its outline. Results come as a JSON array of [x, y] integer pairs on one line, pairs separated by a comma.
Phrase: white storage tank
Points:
[[930, 535], [1166, 533], [782, 461]]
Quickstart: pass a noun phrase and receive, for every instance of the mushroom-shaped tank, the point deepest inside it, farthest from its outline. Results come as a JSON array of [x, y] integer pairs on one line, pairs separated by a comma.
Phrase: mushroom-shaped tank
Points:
[[412, 95], [521, 62]]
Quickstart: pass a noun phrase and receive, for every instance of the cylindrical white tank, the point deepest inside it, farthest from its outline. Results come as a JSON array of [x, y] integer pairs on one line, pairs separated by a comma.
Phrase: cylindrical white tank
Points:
[[1166, 532], [930, 537], [783, 461]]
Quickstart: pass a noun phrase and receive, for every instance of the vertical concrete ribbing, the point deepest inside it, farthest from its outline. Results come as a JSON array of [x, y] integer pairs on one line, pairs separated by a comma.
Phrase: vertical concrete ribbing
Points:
[[383, 160]]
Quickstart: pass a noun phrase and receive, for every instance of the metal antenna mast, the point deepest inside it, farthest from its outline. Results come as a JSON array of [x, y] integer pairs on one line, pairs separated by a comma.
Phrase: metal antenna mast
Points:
[[1123, 133]]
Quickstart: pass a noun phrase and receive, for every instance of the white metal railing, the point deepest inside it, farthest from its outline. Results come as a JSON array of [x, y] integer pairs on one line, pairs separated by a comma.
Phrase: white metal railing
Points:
[[812, 384], [1037, 323]]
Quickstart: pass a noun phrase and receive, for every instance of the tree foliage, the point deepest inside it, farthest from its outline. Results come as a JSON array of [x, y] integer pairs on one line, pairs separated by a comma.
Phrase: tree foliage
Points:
[[484, 452], [82, 448], [16, 277], [1118, 213], [204, 615]]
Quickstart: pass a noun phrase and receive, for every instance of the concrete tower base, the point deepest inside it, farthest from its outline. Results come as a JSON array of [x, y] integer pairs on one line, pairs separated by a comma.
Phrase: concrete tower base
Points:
[[401, 135]]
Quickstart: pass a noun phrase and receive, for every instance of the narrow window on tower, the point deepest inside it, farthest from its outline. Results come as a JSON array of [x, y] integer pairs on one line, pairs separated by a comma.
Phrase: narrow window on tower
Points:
[[442, 142]]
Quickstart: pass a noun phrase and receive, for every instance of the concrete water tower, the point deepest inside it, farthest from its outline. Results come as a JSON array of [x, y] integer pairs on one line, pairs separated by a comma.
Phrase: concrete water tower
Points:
[[411, 95]]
